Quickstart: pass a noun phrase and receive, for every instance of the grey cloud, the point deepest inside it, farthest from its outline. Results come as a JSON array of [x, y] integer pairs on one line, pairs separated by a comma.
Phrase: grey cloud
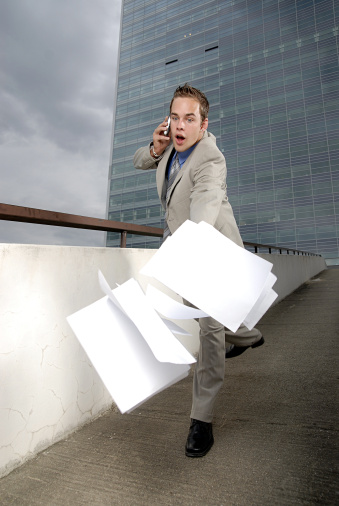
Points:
[[57, 77], [57, 60], [22, 233]]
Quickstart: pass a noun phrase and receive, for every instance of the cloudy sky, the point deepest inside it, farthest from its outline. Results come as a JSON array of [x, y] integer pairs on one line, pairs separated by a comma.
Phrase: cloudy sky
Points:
[[57, 84]]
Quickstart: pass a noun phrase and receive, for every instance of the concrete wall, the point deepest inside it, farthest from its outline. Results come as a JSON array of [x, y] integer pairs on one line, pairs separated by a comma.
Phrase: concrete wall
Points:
[[292, 271], [48, 387]]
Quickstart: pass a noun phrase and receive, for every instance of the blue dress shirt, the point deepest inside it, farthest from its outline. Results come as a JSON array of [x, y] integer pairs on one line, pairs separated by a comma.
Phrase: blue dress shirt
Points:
[[182, 158]]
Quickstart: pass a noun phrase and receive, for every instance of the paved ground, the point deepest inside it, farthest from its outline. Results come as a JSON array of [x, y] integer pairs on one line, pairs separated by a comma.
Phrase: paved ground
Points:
[[275, 429]]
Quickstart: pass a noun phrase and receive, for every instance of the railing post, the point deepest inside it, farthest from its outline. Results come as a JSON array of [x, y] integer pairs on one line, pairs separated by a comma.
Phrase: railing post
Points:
[[123, 237]]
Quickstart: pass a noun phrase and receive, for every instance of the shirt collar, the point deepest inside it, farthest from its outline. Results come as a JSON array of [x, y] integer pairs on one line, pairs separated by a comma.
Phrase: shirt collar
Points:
[[183, 155]]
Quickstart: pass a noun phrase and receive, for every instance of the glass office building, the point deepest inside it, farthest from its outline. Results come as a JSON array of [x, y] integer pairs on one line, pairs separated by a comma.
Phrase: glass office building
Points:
[[270, 71]]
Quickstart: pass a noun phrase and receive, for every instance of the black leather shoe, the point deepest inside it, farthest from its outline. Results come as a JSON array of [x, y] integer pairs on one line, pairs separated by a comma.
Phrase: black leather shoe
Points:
[[200, 439], [235, 351]]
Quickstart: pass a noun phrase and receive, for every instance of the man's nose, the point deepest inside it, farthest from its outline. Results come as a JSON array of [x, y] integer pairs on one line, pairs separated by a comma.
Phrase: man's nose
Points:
[[180, 124]]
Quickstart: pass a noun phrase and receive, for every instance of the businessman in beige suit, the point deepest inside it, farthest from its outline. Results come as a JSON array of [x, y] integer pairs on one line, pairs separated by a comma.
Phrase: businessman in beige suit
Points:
[[191, 182]]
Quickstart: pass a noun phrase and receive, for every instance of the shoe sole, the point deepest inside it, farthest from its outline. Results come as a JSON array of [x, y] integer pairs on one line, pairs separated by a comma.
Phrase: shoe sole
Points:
[[240, 350]]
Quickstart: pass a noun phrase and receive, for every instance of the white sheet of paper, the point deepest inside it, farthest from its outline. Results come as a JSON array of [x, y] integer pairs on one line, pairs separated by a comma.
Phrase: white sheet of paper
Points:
[[108, 291], [173, 327], [213, 273], [265, 300], [163, 343], [121, 356], [171, 308]]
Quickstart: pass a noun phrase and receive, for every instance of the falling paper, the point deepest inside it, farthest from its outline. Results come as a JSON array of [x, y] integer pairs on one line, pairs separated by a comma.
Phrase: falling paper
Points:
[[214, 274], [265, 300], [126, 357], [165, 347], [173, 327], [133, 349], [169, 307]]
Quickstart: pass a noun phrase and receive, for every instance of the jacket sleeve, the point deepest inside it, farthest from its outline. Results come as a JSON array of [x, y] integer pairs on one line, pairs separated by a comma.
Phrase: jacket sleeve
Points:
[[209, 190], [143, 160]]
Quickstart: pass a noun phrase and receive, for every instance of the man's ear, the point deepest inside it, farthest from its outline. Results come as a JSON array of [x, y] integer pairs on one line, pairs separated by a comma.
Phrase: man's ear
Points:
[[204, 125]]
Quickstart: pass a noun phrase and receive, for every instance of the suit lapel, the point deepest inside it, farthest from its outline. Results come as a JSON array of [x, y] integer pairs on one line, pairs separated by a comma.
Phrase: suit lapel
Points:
[[162, 170], [161, 176]]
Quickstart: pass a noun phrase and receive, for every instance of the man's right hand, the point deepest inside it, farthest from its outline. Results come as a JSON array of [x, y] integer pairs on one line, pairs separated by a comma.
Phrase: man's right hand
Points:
[[160, 141]]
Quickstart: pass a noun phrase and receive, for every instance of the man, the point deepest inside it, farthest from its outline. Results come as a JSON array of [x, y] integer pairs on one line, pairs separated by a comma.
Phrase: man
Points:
[[191, 182]]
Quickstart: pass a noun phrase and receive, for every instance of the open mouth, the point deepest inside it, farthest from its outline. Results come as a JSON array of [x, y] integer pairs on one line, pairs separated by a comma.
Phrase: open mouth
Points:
[[179, 138]]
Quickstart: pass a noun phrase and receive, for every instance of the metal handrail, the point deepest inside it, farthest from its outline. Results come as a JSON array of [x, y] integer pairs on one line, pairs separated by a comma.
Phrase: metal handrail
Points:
[[280, 249], [40, 216], [9, 212]]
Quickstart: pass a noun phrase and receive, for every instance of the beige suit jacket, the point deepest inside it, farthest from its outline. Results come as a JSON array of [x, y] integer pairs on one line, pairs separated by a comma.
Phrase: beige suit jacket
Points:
[[199, 190]]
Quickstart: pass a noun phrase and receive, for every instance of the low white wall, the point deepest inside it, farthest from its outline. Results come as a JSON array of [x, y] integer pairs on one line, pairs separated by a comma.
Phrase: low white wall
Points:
[[292, 271], [48, 387]]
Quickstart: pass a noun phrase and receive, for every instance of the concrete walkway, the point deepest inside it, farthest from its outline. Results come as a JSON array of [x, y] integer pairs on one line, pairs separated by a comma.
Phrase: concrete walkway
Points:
[[275, 429]]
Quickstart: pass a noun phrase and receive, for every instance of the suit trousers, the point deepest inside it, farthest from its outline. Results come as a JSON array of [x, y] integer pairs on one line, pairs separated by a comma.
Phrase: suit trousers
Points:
[[210, 367]]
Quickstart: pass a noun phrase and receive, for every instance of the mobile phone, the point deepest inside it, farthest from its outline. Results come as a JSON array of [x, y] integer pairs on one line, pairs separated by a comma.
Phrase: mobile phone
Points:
[[166, 132]]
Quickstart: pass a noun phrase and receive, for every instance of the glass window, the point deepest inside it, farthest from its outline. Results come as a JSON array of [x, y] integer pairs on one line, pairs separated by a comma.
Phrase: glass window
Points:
[[116, 184], [326, 232], [304, 212], [306, 234], [140, 195], [284, 236], [324, 209], [115, 200], [303, 190], [127, 198], [140, 214], [127, 216], [248, 198], [283, 193], [300, 170], [264, 177], [154, 211], [115, 216]]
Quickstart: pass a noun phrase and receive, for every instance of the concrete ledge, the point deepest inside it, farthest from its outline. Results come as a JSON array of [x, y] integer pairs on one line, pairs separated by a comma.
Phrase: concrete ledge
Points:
[[292, 271], [48, 388]]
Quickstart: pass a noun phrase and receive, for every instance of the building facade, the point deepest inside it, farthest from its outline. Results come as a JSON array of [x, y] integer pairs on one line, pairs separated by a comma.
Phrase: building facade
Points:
[[270, 71]]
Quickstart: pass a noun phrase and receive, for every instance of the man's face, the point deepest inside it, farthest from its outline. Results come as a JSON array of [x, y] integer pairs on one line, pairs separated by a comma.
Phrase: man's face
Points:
[[186, 126]]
